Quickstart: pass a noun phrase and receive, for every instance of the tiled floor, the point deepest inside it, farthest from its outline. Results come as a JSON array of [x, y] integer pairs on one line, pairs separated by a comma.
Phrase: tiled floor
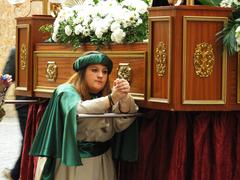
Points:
[[10, 139]]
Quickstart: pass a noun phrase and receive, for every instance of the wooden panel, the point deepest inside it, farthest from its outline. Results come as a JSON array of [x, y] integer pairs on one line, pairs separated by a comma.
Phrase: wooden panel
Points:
[[159, 68], [63, 61], [192, 25], [27, 35], [209, 86], [22, 51]]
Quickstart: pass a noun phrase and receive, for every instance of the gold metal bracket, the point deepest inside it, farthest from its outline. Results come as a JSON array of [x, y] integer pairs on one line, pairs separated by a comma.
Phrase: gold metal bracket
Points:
[[124, 71], [51, 71]]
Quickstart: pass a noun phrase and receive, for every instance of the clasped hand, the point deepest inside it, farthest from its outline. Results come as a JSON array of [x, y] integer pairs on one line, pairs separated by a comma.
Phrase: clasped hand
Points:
[[120, 90]]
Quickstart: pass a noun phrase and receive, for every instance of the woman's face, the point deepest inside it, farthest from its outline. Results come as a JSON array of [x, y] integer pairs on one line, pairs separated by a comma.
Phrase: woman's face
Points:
[[96, 77]]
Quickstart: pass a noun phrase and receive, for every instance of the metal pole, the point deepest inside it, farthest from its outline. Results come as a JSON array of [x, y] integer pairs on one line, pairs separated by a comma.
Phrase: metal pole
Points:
[[21, 101], [109, 115]]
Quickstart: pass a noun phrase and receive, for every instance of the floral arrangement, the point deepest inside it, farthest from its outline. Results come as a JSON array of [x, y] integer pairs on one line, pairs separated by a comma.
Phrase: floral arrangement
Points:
[[231, 32], [101, 22]]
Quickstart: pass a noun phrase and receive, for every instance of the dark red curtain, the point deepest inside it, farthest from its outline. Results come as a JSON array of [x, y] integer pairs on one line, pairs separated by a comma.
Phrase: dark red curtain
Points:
[[173, 146], [187, 146], [28, 163]]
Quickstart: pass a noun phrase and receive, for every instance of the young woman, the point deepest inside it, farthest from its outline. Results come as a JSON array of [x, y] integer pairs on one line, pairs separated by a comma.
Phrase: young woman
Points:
[[72, 148]]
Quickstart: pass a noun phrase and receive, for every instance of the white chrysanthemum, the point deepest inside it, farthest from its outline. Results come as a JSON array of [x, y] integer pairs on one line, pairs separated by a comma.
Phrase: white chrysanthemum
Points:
[[114, 26], [138, 5], [68, 30], [106, 19], [94, 23], [226, 3], [118, 35], [237, 2], [56, 25], [128, 19], [54, 37], [237, 35], [86, 31], [238, 29], [78, 29], [98, 33], [238, 41], [139, 21]]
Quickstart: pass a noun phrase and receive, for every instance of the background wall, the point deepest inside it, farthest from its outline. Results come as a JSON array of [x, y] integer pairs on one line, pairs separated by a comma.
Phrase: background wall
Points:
[[8, 13]]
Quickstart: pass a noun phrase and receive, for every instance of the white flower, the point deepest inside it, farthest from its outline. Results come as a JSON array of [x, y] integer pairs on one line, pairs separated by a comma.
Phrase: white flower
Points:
[[226, 3], [139, 5], [238, 29], [86, 31], [115, 25], [56, 26], [237, 35], [78, 29], [68, 30], [237, 2], [107, 20], [139, 21], [54, 37], [118, 35], [99, 33]]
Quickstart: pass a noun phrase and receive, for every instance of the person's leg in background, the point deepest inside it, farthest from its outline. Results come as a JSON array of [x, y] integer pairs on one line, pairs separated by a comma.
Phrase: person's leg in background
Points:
[[22, 111]]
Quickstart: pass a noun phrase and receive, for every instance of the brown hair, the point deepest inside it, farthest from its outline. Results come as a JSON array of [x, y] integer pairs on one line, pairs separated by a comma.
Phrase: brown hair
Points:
[[78, 81]]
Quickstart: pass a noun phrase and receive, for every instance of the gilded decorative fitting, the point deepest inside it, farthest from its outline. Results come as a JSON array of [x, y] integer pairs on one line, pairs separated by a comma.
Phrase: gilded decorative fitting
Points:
[[23, 57], [203, 60], [161, 59], [55, 8], [51, 71], [124, 71]]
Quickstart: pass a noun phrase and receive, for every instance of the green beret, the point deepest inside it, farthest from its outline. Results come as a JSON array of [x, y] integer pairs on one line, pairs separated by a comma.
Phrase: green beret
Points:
[[93, 58]]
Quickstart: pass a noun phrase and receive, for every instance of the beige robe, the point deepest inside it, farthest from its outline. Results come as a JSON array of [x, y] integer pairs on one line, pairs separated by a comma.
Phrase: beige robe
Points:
[[92, 129]]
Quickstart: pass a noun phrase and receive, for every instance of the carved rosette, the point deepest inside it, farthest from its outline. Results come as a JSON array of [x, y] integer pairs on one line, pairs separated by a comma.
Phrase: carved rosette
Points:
[[23, 57], [124, 71], [51, 71], [161, 59], [204, 60]]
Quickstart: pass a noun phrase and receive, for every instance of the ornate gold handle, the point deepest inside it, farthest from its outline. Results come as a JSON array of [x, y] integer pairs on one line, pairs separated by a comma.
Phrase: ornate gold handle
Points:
[[51, 71], [124, 71]]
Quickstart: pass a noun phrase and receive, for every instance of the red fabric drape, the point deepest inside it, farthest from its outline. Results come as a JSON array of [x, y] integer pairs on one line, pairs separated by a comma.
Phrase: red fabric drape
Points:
[[173, 146], [35, 113], [187, 146]]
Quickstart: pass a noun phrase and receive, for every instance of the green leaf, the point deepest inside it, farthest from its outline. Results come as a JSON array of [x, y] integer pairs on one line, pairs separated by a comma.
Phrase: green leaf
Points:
[[210, 2], [47, 28]]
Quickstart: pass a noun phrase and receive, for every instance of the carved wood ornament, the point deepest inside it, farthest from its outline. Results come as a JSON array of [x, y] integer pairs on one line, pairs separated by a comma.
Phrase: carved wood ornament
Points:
[[23, 57], [204, 60], [161, 59]]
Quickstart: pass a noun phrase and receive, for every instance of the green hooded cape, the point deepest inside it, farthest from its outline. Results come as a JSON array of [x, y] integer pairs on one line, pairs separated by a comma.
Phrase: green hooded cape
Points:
[[56, 135]]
